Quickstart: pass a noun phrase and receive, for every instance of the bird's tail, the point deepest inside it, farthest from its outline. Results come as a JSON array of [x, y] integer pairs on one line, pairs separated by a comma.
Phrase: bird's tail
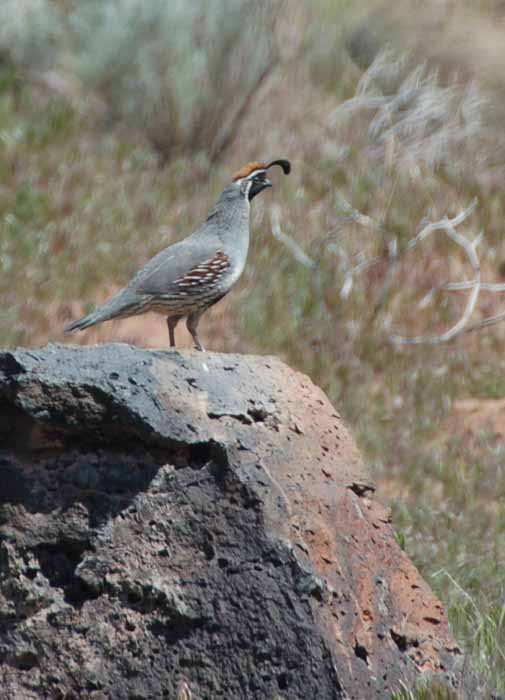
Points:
[[120, 305], [90, 320]]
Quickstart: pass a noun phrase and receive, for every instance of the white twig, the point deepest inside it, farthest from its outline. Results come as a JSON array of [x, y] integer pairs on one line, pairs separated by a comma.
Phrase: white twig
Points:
[[490, 321], [371, 224], [360, 267], [442, 225], [356, 215], [447, 226], [293, 247], [458, 587], [468, 284]]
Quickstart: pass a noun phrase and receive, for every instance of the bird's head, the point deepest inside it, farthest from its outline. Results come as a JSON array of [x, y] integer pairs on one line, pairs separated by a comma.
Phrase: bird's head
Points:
[[252, 178]]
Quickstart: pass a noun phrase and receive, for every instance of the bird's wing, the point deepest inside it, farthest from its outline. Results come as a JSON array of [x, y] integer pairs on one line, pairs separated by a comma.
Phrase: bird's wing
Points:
[[174, 263]]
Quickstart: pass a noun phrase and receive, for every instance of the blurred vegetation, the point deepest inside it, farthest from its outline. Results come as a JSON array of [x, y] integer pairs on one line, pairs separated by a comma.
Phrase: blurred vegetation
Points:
[[121, 120], [181, 71]]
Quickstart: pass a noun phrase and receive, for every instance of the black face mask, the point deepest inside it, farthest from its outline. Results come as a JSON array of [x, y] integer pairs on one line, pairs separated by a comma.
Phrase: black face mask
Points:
[[259, 184]]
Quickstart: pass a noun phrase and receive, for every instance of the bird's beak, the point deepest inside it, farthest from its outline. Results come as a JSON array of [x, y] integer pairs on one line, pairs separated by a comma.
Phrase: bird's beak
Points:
[[258, 186]]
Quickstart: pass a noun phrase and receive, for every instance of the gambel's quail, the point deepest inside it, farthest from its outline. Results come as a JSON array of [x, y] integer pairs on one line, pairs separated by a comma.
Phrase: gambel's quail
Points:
[[185, 279]]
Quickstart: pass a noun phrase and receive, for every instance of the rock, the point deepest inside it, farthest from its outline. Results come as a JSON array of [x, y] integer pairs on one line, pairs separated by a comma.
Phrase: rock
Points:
[[178, 524]]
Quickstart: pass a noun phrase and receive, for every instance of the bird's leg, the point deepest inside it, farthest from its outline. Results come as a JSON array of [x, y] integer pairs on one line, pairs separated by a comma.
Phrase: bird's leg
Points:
[[172, 321], [191, 324]]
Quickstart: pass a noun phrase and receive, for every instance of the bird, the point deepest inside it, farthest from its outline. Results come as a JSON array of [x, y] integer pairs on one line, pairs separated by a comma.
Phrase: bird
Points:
[[187, 278]]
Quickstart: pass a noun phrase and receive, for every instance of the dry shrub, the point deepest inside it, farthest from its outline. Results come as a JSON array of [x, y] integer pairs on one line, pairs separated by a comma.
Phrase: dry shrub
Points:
[[30, 31], [405, 117], [184, 73]]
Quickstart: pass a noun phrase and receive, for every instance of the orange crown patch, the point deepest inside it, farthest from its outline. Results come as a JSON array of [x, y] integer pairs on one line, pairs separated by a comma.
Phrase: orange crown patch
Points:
[[248, 169]]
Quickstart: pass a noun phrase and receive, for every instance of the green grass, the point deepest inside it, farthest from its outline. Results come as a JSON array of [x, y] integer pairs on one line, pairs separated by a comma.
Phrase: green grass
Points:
[[433, 691]]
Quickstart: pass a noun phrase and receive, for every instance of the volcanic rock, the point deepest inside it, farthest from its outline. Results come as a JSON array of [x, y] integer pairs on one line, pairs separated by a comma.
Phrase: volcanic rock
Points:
[[185, 525]]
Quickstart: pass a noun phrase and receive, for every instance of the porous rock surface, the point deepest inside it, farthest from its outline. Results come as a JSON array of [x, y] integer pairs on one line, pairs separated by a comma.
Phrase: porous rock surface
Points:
[[182, 525]]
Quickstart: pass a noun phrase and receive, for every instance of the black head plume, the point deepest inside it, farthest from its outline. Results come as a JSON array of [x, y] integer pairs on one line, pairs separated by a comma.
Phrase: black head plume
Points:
[[283, 163]]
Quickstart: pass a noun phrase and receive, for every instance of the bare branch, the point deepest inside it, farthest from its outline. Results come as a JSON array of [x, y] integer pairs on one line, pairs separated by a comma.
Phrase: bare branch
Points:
[[360, 267], [293, 247], [442, 225], [468, 284], [357, 216], [391, 258], [470, 248], [371, 224], [229, 136], [490, 321], [447, 226]]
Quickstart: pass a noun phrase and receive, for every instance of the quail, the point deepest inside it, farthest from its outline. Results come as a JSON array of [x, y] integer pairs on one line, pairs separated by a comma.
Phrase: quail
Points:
[[187, 278]]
